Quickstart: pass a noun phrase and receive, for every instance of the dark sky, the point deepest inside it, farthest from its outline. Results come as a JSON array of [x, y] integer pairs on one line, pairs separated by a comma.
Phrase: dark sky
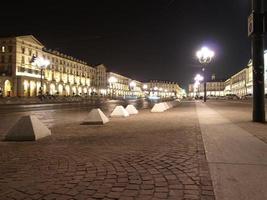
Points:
[[143, 39]]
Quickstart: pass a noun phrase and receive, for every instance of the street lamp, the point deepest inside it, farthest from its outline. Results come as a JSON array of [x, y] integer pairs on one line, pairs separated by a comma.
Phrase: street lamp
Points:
[[145, 87], [205, 56], [132, 86], [198, 78], [111, 81], [42, 63]]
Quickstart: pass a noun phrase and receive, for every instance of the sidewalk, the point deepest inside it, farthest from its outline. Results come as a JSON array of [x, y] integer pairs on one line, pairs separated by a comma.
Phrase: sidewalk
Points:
[[237, 159]]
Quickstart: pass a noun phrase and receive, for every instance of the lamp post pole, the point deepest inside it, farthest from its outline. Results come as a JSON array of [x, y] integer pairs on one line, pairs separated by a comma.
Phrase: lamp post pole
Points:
[[257, 50], [205, 83], [41, 88], [111, 81], [112, 95], [198, 78]]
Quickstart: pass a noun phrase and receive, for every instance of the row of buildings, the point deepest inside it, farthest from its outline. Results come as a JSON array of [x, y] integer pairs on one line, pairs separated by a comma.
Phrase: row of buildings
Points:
[[65, 75], [239, 84]]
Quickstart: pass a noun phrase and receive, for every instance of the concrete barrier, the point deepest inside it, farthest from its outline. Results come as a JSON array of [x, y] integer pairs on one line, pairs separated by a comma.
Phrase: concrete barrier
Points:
[[170, 104], [166, 105], [119, 111], [158, 107], [28, 128], [131, 110], [97, 117]]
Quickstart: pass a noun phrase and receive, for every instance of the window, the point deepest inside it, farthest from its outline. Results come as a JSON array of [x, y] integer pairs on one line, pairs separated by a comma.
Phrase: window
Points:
[[10, 48], [22, 60], [23, 50], [30, 52], [3, 48], [10, 58]]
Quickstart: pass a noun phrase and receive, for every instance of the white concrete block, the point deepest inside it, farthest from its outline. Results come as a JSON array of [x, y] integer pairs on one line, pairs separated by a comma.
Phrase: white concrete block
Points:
[[96, 116], [158, 107], [131, 110], [170, 104], [119, 111], [165, 105], [28, 128]]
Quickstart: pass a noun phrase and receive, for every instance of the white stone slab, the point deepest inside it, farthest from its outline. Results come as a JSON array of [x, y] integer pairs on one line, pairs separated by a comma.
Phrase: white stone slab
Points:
[[158, 107], [166, 105], [131, 110], [119, 111], [28, 128], [96, 116], [170, 104]]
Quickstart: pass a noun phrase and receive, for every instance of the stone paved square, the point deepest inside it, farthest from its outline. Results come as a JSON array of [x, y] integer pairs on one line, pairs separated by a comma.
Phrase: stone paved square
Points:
[[146, 156]]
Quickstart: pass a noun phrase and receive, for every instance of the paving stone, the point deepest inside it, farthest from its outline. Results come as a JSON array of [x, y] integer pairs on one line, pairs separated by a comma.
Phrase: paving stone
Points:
[[144, 157]]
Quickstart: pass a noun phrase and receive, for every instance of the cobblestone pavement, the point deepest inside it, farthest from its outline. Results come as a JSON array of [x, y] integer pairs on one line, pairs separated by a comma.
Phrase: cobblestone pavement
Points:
[[147, 156]]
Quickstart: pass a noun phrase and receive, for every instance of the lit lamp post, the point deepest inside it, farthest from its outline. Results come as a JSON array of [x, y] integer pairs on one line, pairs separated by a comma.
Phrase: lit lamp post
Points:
[[204, 57], [42, 64], [145, 87], [155, 90], [198, 78], [132, 86], [111, 81]]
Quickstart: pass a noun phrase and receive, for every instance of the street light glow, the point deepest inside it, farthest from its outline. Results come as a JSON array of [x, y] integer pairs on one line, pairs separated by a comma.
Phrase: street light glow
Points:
[[205, 55], [199, 78], [133, 84], [41, 62], [145, 86], [196, 84]]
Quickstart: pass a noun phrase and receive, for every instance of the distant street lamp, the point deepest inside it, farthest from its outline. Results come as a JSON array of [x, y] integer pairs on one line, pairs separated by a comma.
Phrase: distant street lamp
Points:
[[42, 64], [204, 57], [145, 87], [198, 78], [111, 81], [132, 86]]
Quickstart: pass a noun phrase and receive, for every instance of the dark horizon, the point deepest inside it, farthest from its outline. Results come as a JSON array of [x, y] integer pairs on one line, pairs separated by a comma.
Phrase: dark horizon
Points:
[[144, 40]]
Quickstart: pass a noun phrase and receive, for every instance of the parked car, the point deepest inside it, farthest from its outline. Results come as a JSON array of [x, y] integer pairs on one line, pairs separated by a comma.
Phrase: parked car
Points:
[[232, 97]]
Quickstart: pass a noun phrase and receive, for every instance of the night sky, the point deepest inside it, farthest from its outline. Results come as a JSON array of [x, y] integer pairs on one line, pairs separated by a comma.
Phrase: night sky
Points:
[[142, 39]]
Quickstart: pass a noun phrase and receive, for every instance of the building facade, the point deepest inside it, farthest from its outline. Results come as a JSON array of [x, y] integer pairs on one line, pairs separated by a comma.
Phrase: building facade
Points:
[[163, 89], [64, 75], [214, 88], [241, 83]]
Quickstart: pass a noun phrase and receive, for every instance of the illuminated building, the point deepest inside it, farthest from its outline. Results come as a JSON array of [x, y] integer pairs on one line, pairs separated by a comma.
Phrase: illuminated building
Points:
[[63, 75], [214, 88], [163, 89], [20, 77]]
